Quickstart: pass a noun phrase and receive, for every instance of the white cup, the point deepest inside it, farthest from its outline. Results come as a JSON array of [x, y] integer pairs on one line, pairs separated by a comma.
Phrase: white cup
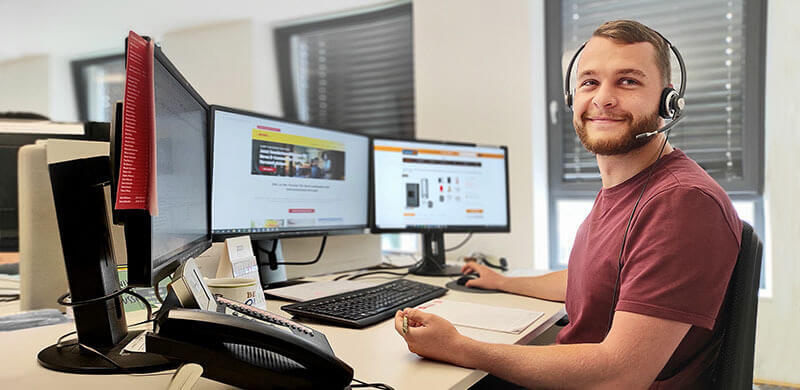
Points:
[[242, 290]]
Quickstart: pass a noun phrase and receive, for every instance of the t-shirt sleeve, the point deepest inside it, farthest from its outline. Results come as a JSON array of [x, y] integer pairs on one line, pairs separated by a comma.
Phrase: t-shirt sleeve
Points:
[[679, 257]]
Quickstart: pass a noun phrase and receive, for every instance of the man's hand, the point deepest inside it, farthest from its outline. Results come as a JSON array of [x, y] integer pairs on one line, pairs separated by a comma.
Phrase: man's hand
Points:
[[489, 279], [431, 336]]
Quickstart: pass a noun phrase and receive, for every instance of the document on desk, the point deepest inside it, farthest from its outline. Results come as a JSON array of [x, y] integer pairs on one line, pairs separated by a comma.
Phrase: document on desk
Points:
[[473, 315], [308, 291]]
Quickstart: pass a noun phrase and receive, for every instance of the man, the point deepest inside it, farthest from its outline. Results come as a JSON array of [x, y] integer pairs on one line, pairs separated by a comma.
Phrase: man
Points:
[[640, 317]]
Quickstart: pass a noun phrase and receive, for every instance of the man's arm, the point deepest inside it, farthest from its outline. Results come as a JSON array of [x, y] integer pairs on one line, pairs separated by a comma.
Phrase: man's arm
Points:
[[551, 286], [631, 356]]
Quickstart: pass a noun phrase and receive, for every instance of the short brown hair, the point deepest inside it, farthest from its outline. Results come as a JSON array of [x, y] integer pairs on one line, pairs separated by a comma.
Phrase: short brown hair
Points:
[[629, 31]]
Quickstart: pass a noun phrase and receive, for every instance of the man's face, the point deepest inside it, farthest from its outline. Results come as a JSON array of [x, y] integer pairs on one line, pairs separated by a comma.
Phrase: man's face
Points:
[[617, 95]]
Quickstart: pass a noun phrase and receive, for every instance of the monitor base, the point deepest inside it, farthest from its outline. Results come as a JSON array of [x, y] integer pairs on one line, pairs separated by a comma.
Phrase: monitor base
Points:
[[77, 360], [433, 269]]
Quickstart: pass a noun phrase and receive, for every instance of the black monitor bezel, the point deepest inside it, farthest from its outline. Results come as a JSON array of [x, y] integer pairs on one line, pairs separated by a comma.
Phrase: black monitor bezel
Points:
[[92, 131], [139, 225], [218, 237], [374, 228]]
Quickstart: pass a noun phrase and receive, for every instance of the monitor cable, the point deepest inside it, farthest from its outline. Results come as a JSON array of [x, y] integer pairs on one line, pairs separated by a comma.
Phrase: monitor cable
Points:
[[127, 290], [319, 254], [381, 386], [461, 244]]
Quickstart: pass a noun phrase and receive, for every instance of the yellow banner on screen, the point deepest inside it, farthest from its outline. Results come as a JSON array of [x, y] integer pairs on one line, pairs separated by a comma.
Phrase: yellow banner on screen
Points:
[[299, 140]]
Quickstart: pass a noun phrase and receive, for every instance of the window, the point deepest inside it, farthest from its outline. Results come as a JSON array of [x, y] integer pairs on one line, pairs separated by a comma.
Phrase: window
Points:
[[723, 44], [353, 72], [98, 83]]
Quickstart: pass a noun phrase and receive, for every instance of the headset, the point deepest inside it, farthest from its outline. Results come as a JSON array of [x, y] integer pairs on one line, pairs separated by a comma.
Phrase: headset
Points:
[[672, 102], [670, 107]]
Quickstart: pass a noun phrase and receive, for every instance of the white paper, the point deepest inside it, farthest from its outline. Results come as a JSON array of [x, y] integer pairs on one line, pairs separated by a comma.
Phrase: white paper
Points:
[[473, 315], [238, 260], [137, 345], [308, 291]]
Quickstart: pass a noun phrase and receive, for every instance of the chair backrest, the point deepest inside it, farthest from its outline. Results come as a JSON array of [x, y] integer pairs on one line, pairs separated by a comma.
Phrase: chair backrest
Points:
[[734, 365]]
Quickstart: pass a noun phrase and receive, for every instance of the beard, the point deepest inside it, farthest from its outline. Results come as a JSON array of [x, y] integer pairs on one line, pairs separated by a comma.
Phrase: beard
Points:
[[623, 143]]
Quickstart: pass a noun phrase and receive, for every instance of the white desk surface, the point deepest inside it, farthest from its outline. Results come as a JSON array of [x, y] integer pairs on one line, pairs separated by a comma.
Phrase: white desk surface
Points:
[[376, 353]]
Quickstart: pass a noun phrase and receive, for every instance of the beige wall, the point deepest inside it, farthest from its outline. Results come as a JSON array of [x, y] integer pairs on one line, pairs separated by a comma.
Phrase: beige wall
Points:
[[777, 338], [217, 60], [25, 84], [472, 72]]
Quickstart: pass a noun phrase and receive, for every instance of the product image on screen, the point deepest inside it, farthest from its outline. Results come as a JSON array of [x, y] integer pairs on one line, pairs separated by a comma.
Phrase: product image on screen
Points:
[[277, 176], [430, 186]]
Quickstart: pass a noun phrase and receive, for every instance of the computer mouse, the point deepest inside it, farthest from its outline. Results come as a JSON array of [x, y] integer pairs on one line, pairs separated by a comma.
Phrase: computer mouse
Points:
[[462, 281]]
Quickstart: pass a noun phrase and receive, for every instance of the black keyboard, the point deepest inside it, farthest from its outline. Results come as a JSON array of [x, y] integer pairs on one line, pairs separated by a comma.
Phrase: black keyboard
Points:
[[364, 307]]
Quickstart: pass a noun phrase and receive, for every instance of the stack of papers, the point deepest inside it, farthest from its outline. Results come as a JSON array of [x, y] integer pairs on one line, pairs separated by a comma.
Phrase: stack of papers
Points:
[[472, 315]]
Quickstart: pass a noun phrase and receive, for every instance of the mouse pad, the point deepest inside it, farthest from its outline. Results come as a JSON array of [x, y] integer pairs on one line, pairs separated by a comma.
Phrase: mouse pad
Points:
[[455, 286]]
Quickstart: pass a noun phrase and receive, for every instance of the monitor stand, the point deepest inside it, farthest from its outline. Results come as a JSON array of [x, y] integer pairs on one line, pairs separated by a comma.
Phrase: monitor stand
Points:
[[80, 204], [433, 263], [268, 254]]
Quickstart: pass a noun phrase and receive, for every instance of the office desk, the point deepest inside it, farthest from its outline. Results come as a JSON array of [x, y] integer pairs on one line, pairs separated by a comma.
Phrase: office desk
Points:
[[376, 353]]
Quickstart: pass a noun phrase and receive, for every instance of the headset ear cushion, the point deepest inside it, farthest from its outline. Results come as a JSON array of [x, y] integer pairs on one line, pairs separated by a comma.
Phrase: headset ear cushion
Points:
[[568, 100], [668, 104]]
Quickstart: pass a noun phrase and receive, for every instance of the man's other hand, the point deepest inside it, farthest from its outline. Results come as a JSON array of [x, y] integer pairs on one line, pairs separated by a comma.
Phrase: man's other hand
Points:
[[431, 336], [488, 279]]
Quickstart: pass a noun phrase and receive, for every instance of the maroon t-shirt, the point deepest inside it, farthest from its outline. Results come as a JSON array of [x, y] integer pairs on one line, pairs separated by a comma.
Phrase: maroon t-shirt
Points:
[[680, 252]]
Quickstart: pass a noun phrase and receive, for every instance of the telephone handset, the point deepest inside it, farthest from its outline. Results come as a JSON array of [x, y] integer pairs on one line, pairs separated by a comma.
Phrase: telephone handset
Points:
[[242, 345]]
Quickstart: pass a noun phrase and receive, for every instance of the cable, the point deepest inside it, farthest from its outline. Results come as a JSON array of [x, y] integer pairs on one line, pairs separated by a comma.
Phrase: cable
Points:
[[381, 386], [625, 236], [61, 299], [9, 297], [319, 255], [461, 244], [59, 342], [340, 277], [126, 290], [356, 276], [158, 293]]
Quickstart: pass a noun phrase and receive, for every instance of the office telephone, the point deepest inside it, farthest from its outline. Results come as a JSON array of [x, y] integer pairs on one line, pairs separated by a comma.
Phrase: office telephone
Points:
[[242, 345]]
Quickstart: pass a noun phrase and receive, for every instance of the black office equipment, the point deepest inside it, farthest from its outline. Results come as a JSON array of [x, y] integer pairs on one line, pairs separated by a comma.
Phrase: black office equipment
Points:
[[158, 244], [9, 147], [79, 197], [435, 188], [242, 345], [733, 368], [275, 178], [364, 307]]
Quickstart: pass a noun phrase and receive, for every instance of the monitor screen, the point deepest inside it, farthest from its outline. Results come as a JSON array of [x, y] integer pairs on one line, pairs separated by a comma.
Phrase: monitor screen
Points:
[[429, 186], [181, 167], [274, 177], [13, 135]]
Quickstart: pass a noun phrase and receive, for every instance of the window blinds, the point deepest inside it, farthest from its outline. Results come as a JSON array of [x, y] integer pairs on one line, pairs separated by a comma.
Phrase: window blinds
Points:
[[710, 35], [355, 73]]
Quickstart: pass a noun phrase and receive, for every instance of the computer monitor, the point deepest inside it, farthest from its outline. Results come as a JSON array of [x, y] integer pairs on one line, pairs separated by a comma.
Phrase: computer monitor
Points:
[[15, 133], [275, 178], [435, 188], [157, 245]]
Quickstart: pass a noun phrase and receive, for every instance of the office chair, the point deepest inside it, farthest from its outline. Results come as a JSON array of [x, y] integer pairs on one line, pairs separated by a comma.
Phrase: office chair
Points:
[[733, 368]]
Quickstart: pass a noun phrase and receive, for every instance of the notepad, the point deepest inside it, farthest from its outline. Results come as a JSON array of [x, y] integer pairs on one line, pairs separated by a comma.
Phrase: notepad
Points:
[[473, 315]]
